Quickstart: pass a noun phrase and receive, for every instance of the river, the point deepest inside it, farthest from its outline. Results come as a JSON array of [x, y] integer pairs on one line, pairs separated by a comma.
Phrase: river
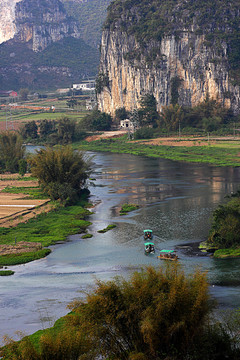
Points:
[[176, 201]]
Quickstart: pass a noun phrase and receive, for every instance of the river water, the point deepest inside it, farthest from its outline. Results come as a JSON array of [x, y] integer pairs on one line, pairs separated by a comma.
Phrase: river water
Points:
[[176, 201]]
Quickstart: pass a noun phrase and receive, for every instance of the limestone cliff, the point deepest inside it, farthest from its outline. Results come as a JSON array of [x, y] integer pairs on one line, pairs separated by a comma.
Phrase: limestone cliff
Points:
[[35, 22], [186, 57]]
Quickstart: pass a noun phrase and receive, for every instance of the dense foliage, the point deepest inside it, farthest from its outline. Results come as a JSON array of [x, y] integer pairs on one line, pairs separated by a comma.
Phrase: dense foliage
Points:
[[225, 231], [11, 151], [151, 20], [157, 314], [62, 172], [63, 131], [90, 15], [97, 121]]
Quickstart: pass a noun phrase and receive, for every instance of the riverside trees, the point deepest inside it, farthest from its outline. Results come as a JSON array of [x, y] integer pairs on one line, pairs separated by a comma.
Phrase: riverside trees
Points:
[[62, 172], [159, 314]]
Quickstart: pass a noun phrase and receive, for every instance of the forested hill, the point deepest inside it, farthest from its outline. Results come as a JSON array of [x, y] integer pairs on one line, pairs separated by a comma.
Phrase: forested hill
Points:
[[90, 15]]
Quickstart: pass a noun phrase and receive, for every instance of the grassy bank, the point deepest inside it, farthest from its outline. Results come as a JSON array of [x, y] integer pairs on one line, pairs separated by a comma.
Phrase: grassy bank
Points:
[[227, 253], [47, 229], [219, 154]]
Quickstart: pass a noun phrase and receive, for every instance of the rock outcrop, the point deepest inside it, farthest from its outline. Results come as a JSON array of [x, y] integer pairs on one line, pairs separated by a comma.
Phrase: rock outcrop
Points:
[[35, 22], [181, 62]]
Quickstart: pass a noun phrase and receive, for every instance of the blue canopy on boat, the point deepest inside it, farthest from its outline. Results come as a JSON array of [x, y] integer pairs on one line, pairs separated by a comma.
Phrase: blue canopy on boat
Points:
[[149, 243], [147, 230]]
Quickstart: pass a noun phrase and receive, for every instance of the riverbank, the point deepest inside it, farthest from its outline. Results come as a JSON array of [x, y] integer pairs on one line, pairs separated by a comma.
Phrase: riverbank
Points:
[[223, 151], [26, 233]]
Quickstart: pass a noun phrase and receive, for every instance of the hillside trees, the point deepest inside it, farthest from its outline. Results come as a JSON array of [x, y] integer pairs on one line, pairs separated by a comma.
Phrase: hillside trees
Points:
[[62, 172], [11, 151]]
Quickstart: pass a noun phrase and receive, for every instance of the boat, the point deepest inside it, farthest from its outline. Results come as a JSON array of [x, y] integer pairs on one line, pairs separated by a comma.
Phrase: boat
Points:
[[149, 248], [168, 255], [148, 234]]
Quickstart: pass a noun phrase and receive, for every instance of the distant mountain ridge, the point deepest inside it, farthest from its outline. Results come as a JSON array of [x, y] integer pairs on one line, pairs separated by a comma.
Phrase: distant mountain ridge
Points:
[[41, 46], [90, 15]]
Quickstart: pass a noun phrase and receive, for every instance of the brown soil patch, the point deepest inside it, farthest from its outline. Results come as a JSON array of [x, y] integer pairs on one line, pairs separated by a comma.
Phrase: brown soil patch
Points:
[[19, 248], [16, 208], [106, 135]]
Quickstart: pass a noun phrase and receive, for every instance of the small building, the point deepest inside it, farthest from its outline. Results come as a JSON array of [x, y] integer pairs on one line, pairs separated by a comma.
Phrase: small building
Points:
[[85, 86], [91, 104], [126, 124], [8, 93]]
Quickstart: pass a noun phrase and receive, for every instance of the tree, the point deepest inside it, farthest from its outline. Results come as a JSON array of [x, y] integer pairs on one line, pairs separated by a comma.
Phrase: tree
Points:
[[71, 103], [30, 130], [157, 313], [121, 114], [22, 164], [170, 117], [97, 121], [62, 172], [148, 112], [11, 151], [65, 130], [46, 127], [24, 94], [225, 230]]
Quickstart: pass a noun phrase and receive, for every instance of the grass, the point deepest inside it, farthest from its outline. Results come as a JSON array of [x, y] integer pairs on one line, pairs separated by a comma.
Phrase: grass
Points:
[[87, 236], [221, 154], [109, 227], [126, 208], [227, 253], [49, 228], [34, 192], [6, 272], [23, 258]]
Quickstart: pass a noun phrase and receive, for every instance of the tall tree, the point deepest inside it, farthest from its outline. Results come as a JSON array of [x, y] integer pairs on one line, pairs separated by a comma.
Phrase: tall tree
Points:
[[148, 112], [65, 130], [11, 151]]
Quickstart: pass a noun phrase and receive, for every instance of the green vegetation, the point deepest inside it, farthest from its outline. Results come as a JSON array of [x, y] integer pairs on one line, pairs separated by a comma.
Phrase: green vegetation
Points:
[[90, 16], [11, 151], [219, 155], [34, 192], [23, 258], [61, 131], [97, 121], [109, 227], [87, 236], [61, 172], [6, 272], [149, 23], [68, 60], [225, 229], [49, 228], [126, 208], [156, 314]]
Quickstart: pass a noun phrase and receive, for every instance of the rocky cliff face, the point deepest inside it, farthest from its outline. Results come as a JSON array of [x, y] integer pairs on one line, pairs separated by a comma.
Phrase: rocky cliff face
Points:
[[183, 63], [35, 22]]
